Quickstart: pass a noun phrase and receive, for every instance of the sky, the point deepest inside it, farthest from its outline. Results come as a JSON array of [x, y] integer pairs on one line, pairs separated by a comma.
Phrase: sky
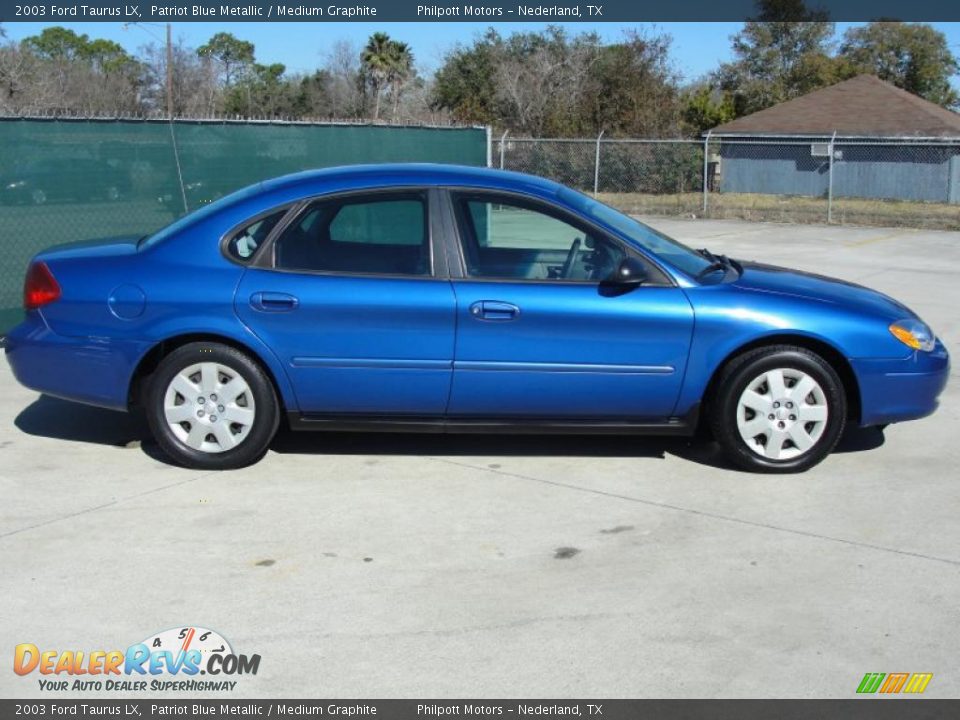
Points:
[[696, 50]]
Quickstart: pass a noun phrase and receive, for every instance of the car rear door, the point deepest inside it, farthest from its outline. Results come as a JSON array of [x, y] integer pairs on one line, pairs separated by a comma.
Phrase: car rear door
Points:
[[540, 337], [349, 296]]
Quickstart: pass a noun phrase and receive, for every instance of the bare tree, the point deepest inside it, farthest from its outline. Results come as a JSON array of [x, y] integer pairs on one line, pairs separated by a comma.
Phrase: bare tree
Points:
[[543, 77], [24, 87], [551, 83], [343, 68], [195, 89], [416, 104]]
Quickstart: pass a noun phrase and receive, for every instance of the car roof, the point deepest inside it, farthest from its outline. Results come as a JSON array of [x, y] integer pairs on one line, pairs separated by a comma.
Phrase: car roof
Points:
[[386, 174]]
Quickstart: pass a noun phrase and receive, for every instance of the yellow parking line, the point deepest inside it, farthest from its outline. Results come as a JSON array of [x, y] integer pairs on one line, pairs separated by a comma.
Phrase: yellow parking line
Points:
[[878, 238], [729, 233]]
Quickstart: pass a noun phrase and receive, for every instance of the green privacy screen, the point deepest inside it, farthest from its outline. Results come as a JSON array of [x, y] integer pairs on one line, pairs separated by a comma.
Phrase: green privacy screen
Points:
[[66, 180]]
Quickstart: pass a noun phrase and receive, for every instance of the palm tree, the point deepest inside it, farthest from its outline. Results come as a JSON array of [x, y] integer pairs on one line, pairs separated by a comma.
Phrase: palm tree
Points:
[[401, 71], [377, 61]]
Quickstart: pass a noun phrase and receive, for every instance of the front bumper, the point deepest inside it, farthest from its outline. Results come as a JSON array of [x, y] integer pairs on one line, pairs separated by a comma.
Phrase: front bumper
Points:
[[90, 370], [907, 389]]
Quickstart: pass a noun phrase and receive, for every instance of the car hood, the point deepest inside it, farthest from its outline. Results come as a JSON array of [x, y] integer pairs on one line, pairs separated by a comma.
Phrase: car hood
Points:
[[757, 277], [103, 247]]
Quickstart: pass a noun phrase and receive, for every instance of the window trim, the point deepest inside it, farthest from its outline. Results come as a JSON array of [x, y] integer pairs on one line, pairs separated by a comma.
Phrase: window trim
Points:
[[266, 260], [559, 212]]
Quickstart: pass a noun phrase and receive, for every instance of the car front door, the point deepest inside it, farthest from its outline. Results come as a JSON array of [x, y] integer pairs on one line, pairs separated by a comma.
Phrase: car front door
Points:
[[353, 304], [541, 336]]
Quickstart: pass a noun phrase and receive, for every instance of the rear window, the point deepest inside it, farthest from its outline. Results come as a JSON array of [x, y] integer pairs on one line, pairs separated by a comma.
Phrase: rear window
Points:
[[198, 216]]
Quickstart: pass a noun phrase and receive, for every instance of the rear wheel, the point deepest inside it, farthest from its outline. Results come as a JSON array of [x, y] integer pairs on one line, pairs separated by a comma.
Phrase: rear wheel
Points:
[[211, 406], [778, 409]]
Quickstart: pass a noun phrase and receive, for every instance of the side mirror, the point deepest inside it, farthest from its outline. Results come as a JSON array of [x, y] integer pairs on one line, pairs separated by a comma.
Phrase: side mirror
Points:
[[629, 273]]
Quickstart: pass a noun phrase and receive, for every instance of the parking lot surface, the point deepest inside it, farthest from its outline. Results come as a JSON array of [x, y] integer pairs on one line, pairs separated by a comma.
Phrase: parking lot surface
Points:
[[441, 566]]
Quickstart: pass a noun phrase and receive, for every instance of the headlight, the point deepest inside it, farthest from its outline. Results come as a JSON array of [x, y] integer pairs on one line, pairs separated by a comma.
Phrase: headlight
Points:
[[914, 334]]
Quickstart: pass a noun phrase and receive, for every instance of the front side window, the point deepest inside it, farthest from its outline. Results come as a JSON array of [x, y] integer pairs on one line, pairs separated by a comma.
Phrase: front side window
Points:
[[378, 234], [506, 238], [653, 241]]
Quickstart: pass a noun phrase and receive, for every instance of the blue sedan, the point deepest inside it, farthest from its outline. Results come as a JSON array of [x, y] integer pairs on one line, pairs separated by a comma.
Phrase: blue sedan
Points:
[[453, 299]]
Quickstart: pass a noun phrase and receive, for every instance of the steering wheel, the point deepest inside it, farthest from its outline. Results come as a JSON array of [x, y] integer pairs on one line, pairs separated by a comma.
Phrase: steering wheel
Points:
[[571, 256]]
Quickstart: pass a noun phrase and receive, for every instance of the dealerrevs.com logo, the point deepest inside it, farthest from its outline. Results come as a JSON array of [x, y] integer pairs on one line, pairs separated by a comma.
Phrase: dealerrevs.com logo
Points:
[[171, 661], [894, 683]]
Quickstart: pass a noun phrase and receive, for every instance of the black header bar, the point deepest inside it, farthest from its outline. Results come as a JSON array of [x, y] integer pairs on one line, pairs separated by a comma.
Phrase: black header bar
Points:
[[480, 11], [150, 709]]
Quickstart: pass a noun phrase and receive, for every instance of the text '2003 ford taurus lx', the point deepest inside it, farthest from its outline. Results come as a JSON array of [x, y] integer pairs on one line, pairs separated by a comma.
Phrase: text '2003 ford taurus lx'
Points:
[[421, 297]]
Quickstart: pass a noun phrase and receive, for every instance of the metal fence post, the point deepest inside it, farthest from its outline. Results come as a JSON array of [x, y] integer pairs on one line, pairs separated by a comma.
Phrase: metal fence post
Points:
[[596, 166], [706, 148], [830, 181], [489, 146], [503, 144]]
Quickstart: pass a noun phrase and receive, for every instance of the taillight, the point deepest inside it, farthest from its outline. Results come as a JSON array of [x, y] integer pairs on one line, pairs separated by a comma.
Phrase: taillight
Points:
[[40, 288]]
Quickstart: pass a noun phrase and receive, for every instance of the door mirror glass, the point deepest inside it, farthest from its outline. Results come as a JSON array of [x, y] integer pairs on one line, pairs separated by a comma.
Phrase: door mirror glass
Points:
[[629, 273]]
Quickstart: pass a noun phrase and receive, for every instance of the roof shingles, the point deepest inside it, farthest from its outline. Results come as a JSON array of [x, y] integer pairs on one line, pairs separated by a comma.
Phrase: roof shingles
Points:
[[863, 106]]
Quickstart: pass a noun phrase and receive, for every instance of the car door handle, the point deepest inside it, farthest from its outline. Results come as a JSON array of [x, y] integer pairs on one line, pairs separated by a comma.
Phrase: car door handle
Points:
[[494, 310], [273, 302]]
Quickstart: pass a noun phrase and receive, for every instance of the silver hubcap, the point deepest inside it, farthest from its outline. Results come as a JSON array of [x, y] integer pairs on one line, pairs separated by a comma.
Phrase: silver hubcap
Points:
[[209, 407], [782, 414]]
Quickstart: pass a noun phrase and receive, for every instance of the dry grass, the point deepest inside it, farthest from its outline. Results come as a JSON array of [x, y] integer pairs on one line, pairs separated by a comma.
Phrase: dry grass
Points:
[[791, 209]]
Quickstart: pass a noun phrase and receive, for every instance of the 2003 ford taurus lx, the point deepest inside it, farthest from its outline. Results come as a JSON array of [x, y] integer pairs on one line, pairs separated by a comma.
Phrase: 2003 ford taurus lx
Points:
[[421, 297]]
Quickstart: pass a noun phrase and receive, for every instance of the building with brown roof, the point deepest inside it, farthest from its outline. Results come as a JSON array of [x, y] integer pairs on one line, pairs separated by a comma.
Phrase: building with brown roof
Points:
[[885, 143]]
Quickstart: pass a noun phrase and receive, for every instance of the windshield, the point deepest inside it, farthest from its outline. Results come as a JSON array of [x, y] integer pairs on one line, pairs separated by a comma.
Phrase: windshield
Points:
[[653, 241], [197, 215]]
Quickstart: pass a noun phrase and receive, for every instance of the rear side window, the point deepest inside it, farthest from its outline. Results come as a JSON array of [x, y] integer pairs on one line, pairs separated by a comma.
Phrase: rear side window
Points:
[[246, 241], [379, 234]]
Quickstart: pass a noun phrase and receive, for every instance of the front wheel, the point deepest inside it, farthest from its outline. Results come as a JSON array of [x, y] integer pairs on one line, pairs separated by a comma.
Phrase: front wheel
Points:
[[212, 407], [778, 409]]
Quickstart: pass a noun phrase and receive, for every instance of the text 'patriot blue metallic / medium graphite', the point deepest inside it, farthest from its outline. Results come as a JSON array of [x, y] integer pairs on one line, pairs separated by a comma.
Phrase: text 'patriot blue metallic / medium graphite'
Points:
[[442, 298]]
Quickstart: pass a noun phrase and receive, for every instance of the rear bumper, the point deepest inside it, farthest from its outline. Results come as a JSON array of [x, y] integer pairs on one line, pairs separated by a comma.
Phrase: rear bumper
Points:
[[896, 390], [90, 370]]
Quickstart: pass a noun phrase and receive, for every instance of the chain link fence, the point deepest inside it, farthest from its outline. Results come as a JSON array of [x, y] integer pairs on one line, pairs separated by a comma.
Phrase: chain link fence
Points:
[[899, 182], [75, 179]]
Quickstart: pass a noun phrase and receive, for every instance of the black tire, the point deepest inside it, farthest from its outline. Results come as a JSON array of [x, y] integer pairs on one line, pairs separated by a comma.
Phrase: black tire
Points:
[[257, 436], [747, 369]]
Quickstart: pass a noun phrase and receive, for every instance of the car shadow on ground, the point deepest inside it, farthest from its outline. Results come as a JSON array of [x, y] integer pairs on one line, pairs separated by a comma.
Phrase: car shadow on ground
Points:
[[54, 418]]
